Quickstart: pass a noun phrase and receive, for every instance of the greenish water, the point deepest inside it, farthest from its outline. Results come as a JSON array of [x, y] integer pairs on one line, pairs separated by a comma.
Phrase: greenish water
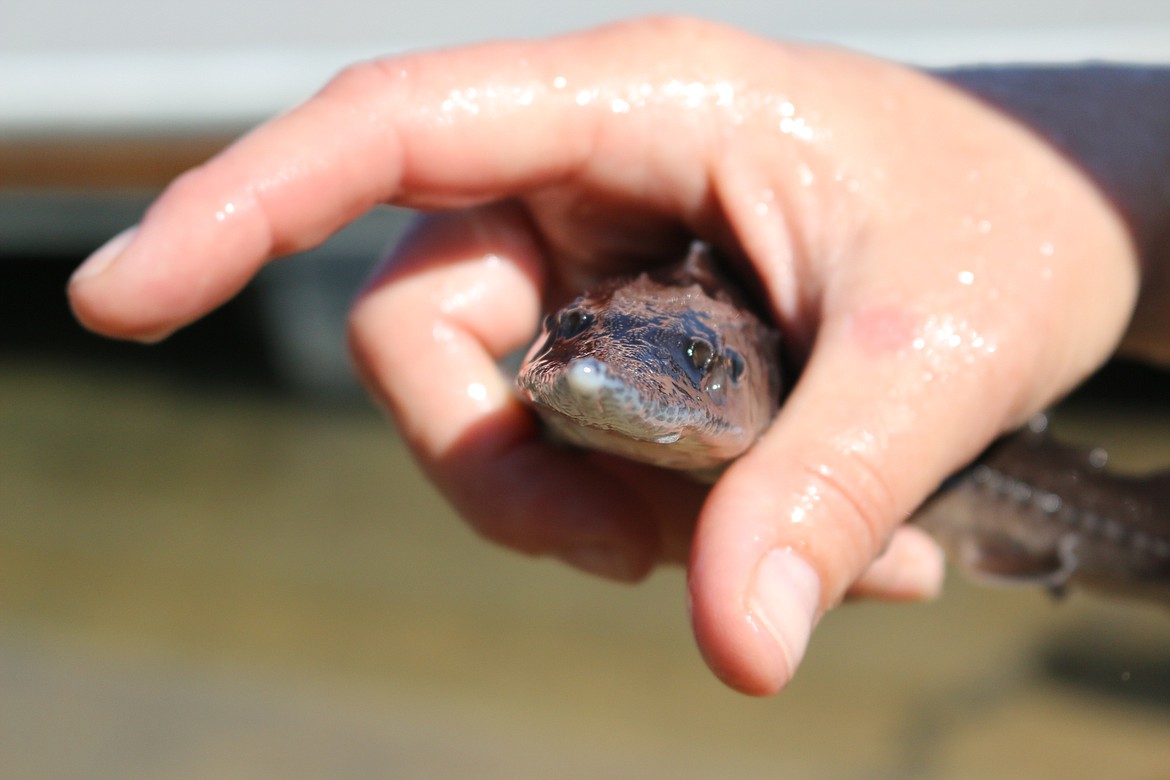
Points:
[[206, 583]]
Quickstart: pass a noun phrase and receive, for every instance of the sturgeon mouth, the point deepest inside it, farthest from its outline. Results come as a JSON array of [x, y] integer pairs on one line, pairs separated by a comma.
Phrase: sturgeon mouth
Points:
[[594, 395], [591, 394]]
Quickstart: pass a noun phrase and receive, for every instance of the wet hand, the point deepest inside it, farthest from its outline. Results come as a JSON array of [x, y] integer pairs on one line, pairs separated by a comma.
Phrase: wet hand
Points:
[[939, 271]]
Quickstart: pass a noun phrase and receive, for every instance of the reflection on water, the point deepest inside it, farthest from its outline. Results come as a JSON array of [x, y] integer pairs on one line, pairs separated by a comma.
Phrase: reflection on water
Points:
[[208, 582]]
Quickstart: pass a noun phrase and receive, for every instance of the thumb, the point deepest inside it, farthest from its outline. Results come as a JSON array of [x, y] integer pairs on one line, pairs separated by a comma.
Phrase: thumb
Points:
[[869, 431]]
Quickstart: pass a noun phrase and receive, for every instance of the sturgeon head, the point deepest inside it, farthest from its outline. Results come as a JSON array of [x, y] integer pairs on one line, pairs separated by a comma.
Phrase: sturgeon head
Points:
[[668, 368]]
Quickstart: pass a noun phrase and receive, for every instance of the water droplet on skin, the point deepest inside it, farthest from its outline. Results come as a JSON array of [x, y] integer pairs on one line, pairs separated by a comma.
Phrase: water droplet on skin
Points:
[[461, 100], [560, 82], [695, 93], [946, 343], [228, 209], [476, 391], [966, 277], [763, 206], [805, 504], [724, 94], [619, 106], [788, 125], [804, 175], [584, 97], [460, 298]]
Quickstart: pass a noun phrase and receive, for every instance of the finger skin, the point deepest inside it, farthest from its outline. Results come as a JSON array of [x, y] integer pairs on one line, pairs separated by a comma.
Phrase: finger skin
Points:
[[894, 398], [910, 569], [431, 130], [942, 273], [936, 333], [377, 133], [459, 293]]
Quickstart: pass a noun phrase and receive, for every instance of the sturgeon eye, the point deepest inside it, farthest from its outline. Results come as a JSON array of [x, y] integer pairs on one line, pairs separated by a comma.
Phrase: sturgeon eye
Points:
[[700, 353], [572, 322], [735, 366]]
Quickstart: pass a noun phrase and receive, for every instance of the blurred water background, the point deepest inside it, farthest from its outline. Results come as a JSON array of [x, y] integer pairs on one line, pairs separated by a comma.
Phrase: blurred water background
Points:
[[218, 561]]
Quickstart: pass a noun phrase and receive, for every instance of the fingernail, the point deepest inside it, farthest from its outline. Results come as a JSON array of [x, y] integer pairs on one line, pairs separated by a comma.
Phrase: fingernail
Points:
[[104, 257], [604, 560], [785, 598]]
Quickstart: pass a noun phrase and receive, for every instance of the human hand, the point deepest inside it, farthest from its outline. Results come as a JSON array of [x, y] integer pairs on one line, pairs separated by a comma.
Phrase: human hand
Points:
[[939, 271]]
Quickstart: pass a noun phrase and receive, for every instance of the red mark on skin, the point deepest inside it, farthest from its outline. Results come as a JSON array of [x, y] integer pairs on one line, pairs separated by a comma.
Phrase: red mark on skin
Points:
[[883, 329]]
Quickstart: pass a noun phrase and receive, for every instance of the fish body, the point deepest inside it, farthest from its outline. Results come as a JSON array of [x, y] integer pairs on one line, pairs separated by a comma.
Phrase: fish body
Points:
[[673, 368], [1034, 510]]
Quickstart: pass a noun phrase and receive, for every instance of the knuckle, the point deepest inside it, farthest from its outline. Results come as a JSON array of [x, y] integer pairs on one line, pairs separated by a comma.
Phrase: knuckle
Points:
[[861, 502], [361, 79], [197, 185], [677, 25]]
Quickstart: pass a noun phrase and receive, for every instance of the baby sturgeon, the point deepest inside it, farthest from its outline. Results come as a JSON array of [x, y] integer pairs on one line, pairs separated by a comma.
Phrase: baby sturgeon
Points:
[[669, 368], [673, 368]]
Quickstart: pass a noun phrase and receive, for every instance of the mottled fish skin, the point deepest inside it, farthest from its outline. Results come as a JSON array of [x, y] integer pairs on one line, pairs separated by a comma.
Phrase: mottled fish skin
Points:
[[1031, 509], [672, 368], [669, 368]]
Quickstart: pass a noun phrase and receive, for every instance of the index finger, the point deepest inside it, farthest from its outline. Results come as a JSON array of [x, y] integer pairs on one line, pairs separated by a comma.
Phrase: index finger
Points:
[[439, 129]]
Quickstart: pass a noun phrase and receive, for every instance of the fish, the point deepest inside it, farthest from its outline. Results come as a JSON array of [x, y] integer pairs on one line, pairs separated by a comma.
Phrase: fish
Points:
[[675, 368], [669, 367]]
